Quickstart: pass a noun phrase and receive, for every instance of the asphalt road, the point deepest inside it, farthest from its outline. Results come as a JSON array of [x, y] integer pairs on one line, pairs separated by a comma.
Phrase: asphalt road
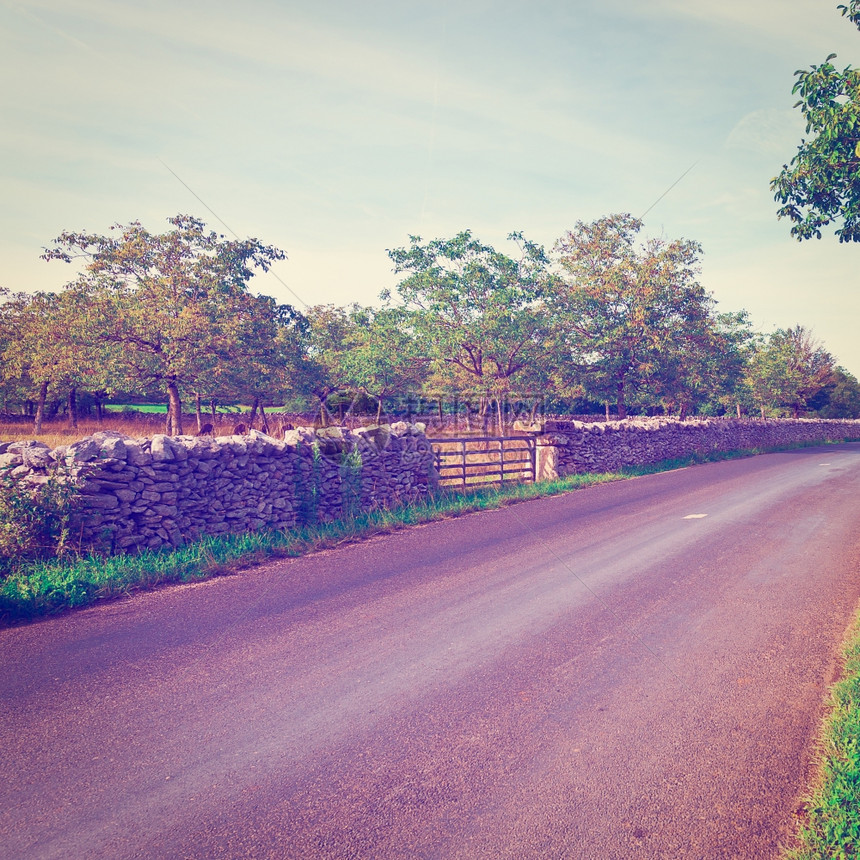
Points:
[[596, 675]]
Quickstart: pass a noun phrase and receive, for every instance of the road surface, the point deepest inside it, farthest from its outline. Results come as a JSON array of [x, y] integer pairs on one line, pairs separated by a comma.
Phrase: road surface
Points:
[[633, 670]]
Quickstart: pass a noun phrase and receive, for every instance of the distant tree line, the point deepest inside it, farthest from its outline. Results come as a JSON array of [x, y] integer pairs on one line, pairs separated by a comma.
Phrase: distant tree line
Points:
[[606, 321]]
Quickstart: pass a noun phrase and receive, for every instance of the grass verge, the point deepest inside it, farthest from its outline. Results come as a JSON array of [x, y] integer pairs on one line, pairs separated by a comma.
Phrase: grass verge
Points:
[[832, 826], [43, 588], [48, 587]]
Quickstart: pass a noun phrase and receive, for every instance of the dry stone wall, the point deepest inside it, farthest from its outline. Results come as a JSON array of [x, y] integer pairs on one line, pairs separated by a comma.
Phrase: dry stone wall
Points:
[[164, 491], [572, 447]]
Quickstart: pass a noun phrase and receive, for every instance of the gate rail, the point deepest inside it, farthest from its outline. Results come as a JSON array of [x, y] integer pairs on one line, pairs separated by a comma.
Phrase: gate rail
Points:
[[470, 461]]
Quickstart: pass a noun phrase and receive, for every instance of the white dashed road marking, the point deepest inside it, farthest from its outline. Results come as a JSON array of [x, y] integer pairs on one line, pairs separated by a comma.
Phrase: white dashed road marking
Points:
[[695, 516]]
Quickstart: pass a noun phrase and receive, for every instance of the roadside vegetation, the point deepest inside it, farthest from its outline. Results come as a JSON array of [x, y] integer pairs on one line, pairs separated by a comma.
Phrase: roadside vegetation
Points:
[[34, 521], [832, 825], [42, 587]]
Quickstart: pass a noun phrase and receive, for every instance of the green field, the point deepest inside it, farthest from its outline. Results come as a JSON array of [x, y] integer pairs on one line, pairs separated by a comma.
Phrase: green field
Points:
[[137, 407], [161, 408]]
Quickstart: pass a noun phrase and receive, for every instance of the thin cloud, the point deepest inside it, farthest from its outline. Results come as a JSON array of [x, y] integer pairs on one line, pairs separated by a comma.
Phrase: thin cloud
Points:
[[769, 131], [771, 21], [42, 23]]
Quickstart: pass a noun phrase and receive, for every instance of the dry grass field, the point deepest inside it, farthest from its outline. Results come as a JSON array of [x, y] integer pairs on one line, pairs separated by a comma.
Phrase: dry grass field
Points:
[[58, 432], [483, 456], [17, 428]]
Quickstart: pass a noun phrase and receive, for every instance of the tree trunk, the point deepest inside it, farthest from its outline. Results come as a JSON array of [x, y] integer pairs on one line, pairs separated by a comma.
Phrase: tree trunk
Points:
[[683, 413], [174, 411], [212, 410], [500, 416], [347, 417], [323, 411], [264, 424], [379, 409], [620, 406], [73, 408], [484, 419], [40, 408], [738, 409], [253, 416], [198, 411]]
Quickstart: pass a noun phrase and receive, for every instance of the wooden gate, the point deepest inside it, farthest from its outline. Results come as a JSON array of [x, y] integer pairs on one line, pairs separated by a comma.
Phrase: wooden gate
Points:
[[469, 461]]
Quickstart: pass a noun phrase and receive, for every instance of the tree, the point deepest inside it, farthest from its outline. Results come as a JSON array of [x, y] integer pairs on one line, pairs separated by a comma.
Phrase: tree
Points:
[[840, 398], [330, 338], [788, 369], [475, 310], [175, 305], [13, 382], [626, 315], [50, 347], [383, 358], [263, 367], [821, 185], [702, 368]]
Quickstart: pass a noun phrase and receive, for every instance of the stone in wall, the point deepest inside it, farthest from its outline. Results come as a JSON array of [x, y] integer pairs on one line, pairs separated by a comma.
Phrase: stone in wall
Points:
[[590, 447], [150, 493]]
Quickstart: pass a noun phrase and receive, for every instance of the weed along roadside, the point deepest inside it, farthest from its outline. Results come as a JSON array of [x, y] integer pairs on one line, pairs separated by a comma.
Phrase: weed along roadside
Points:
[[831, 825]]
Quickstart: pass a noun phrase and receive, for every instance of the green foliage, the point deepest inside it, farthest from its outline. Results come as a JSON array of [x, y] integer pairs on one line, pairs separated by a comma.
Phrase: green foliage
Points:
[[174, 307], [821, 184], [323, 363], [614, 320], [475, 310], [787, 370], [34, 519], [385, 355], [840, 398], [631, 316], [308, 492], [47, 345]]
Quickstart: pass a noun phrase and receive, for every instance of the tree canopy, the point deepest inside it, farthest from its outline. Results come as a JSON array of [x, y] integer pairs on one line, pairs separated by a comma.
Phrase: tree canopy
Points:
[[611, 317], [175, 305], [629, 315], [788, 369], [821, 183], [475, 309]]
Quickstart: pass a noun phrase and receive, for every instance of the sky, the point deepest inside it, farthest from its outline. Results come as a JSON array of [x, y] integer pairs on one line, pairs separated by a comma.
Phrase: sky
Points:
[[335, 130]]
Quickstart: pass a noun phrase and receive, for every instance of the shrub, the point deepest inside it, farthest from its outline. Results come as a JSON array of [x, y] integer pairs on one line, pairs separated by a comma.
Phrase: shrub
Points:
[[34, 519]]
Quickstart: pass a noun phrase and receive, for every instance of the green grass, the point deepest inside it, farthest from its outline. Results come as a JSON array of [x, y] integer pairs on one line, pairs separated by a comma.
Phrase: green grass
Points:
[[832, 825], [48, 587], [162, 408], [152, 408], [43, 588]]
